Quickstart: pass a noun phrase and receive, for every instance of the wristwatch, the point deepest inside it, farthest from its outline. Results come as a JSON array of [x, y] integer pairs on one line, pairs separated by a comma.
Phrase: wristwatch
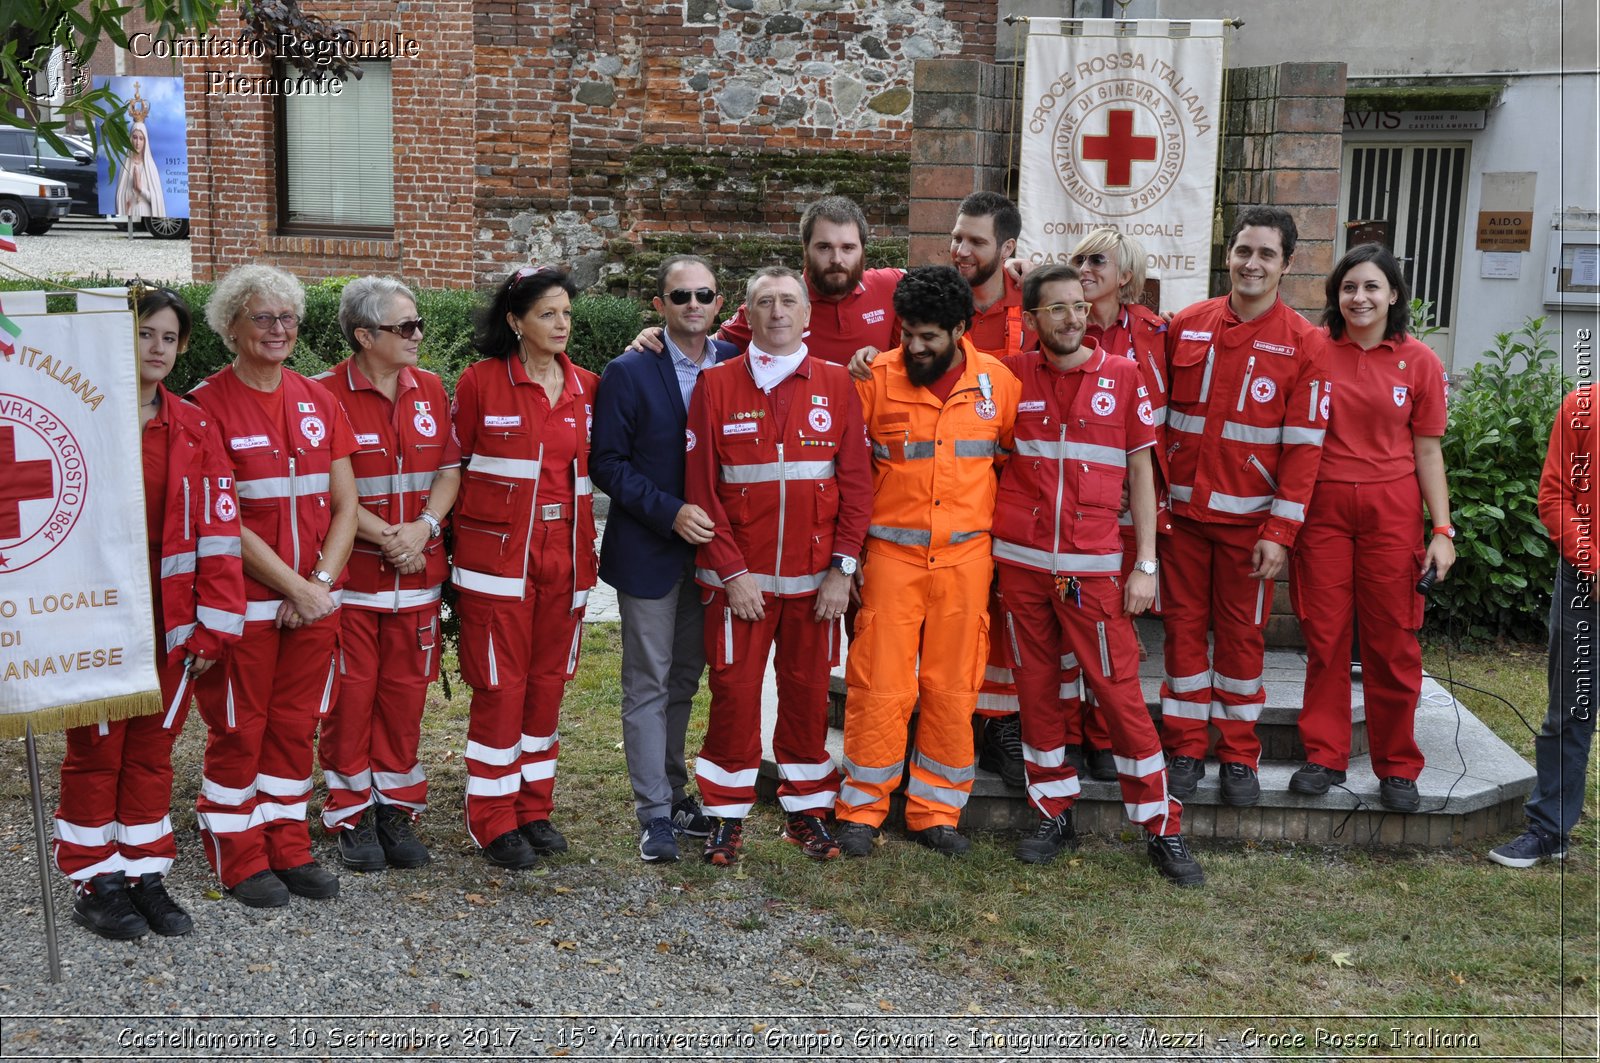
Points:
[[434, 530], [1445, 529], [324, 578], [847, 565], [1147, 567]]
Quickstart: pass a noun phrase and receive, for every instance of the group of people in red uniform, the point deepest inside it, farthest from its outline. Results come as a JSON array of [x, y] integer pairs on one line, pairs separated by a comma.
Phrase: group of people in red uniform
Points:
[[296, 531]]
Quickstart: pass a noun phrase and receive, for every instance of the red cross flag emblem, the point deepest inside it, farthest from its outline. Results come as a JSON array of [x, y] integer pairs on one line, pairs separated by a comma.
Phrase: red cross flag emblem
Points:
[[45, 481], [1119, 147]]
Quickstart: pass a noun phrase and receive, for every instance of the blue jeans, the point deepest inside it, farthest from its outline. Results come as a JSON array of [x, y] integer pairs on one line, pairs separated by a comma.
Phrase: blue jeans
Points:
[[1561, 751]]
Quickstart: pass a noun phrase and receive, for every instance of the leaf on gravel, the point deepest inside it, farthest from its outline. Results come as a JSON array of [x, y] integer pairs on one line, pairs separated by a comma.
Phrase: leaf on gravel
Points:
[[413, 972], [567, 946], [884, 1005], [741, 874], [541, 922], [561, 1051], [1341, 959], [259, 968], [663, 946], [213, 894], [613, 969], [758, 1027], [629, 912], [594, 962], [561, 889], [477, 898], [974, 1008], [420, 897], [462, 973]]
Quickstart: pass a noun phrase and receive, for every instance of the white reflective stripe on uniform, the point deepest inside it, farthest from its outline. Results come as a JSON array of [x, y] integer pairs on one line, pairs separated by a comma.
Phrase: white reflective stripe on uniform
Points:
[[1059, 450], [177, 636], [963, 536], [1186, 422], [1249, 712], [976, 448], [912, 451], [1044, 559], [768, 584], [1143, 766], [278, 786], [1067, 787], [1244, 687], [1160, 414], [772, 471], [802, 802], [1304, 436], [1180, 492], [540, 743], [873, 775], [177, 564], [1044, 758], [805, 772], [709, 771], [904, 536], [394, 600], [942, 794], [331, 818], [494, 669], [944, 771], [114, 862], [327, 689], [144, 833], [738, 811], [1189, 684], [385, 781], [383, 486], [220, 620], [1145, 811], [483, 583], [361, 780], [1247, 433], [267, 610], [995, 702], [497, 786], [146, 865], [271, 811], [492, 755], [536, 770], [1222, 503], [218, 794], [582, 485], [579, 600], [227, 822], [1261, 599], [1070, 690], [1289, 510], [853, 797], [88, 837], [1186, 710], [993, 673], [511, 468], [1068, 661]]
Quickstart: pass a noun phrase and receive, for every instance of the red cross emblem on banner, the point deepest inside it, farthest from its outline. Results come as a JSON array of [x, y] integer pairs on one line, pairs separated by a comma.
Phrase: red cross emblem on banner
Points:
[[1119, 148], [25, 481]]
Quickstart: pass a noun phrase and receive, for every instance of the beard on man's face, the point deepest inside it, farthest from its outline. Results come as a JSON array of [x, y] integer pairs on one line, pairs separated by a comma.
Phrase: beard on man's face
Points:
[[923, 373], [835, 282]]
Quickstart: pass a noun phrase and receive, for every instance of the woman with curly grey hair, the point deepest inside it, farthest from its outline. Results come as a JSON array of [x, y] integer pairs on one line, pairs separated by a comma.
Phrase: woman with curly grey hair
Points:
[[290, 446]]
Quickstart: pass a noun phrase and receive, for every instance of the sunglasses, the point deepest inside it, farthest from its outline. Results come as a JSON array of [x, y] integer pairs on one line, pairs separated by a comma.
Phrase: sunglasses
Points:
[[1095, 259], [405, 329], [681, 296]]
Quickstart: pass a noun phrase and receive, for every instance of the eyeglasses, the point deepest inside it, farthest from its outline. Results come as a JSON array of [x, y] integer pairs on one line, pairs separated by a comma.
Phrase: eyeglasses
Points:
[[264, 322], [405, 329], [1058, 311], [681, 296], [1097, 259]]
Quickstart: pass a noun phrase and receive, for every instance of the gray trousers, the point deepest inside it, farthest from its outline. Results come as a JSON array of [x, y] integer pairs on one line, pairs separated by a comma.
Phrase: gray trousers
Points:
[[1561, 751], [663, 656]]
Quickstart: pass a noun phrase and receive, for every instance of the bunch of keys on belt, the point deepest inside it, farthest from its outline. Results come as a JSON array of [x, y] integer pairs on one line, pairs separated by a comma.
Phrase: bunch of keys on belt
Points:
[[1066, 585]]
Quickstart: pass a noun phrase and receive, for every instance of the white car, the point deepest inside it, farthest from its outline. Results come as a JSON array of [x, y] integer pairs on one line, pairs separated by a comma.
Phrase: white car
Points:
[[32, 204]]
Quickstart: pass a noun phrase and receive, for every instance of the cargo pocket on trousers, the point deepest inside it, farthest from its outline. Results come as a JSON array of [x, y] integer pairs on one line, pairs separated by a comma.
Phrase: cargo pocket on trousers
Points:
[[428, 645], [980, 656]]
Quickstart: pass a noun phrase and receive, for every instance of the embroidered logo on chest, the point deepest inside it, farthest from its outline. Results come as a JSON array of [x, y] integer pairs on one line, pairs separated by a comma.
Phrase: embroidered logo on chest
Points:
[[313, 429], [985, 408], [872, 317], [1400, 395], [425, 425], [819, 419], [688, 439], [1263, 389], [1104, 403]]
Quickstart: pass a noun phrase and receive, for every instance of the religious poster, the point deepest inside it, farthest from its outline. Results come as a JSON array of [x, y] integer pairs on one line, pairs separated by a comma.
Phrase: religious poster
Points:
[[76, 639], [1123, 131], [152, 180]]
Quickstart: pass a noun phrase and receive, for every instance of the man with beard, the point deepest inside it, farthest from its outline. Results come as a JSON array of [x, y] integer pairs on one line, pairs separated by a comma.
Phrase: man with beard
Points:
[[939, 414], [983, 238], [1085, 431]]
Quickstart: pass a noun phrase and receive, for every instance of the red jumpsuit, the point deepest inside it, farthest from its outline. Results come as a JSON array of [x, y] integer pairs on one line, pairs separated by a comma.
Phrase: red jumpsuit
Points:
[[524, 562], [1245, 423], [1055, 519], [840, 327], [262, 705], [390, 625], [786, 477], [1361, 551], [116, 780]]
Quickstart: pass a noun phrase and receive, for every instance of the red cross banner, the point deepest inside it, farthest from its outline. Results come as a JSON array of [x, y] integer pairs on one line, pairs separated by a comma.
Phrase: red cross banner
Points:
[[1121, 123], [76, 630]]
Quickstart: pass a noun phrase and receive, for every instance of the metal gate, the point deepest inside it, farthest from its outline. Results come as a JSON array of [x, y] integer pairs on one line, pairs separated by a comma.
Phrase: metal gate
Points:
[[1411, 197]]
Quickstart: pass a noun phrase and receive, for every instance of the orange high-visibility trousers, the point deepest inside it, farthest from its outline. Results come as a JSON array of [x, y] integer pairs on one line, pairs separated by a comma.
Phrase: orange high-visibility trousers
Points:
[[942, 614]]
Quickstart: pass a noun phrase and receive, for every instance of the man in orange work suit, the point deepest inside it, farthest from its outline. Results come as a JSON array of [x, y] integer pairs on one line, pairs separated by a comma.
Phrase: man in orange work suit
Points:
[[939, 415]]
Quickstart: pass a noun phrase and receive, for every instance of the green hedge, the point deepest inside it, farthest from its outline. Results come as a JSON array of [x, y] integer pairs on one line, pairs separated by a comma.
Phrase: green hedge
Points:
[[602, 327]]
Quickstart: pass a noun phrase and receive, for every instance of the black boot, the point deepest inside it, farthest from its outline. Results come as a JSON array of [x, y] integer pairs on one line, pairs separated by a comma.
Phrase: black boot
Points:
[[103, 905], [165, 915]]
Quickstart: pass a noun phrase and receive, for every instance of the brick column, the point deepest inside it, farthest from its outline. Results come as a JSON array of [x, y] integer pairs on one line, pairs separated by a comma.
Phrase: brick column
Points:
[[960, 143]]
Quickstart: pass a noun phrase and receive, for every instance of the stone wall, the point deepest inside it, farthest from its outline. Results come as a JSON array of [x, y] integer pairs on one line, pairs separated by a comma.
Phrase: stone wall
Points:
[[961, 143]]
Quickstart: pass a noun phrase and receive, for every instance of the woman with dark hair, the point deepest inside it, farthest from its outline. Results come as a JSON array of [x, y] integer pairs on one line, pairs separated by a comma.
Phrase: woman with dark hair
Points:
[[1361, 552], [113, 828], [524, 556]]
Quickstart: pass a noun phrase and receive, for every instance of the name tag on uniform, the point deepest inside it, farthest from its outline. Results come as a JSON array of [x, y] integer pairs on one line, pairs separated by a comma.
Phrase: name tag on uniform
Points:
[[364, 440], [248, 442], [741, 428], [1194, 334], [494, 421], [1273, 348], [1031, 406]]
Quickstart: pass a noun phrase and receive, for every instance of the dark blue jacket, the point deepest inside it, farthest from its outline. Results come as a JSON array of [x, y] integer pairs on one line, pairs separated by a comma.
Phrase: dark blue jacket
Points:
[[636, 456]]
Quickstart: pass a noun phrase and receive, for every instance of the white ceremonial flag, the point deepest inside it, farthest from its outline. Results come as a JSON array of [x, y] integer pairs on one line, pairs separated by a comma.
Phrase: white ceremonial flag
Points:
[[76, 630], [1123, 131]]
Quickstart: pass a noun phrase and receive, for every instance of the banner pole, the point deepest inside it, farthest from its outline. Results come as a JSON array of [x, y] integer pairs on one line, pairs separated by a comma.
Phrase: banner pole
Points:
[[41, 851]]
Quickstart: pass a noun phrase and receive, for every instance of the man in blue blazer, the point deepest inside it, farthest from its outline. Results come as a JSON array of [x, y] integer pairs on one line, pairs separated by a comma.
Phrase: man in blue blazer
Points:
[[636, 456]]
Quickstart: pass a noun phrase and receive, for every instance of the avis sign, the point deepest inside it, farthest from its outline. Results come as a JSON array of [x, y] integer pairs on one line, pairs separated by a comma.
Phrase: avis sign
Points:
[[1122, 131]]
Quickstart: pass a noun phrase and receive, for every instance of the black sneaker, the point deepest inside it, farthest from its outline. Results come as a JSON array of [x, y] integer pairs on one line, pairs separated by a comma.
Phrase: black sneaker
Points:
[[725, 841], [1399, 794], [858, 839], [1002, 750], [544, 838], [1075, 757], [1314, 779], [310, 880], [687, 818], [658, 844], [1048, 842], [943, 839], [1184, 775], [1102, 765], [261, 890], [1240, 786], [511, 850], [811, 834], [1530, 847], [358, 845], [104, 906], [398, 836], [1170, 853], [165, 916]]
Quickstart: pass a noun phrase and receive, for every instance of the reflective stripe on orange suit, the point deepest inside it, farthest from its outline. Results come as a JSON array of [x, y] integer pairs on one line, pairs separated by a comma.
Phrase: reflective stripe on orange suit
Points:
[[926, 590]]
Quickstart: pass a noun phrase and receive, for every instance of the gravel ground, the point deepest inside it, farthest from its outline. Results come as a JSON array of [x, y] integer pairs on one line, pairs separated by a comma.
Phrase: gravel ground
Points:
[[78, 247]]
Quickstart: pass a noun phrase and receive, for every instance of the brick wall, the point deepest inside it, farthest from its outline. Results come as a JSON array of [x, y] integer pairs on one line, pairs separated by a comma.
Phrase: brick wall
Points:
[[961, 143], [1283, 145]]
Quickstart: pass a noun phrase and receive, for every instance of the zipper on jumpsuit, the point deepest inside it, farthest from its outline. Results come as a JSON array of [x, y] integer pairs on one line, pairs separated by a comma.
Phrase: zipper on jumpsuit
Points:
[[1311, 415], [1205, 380], [186, 535], [1244, 389], [400, 513], [577, 632], [294, 518], [783, 495], [533, 512]]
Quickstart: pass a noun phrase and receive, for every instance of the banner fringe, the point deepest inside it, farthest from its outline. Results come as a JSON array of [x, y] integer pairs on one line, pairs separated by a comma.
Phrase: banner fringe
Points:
[[82, 714]]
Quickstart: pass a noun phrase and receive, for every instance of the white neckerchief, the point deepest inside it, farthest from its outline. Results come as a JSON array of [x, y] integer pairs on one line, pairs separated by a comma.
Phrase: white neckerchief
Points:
[[770, 370]]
